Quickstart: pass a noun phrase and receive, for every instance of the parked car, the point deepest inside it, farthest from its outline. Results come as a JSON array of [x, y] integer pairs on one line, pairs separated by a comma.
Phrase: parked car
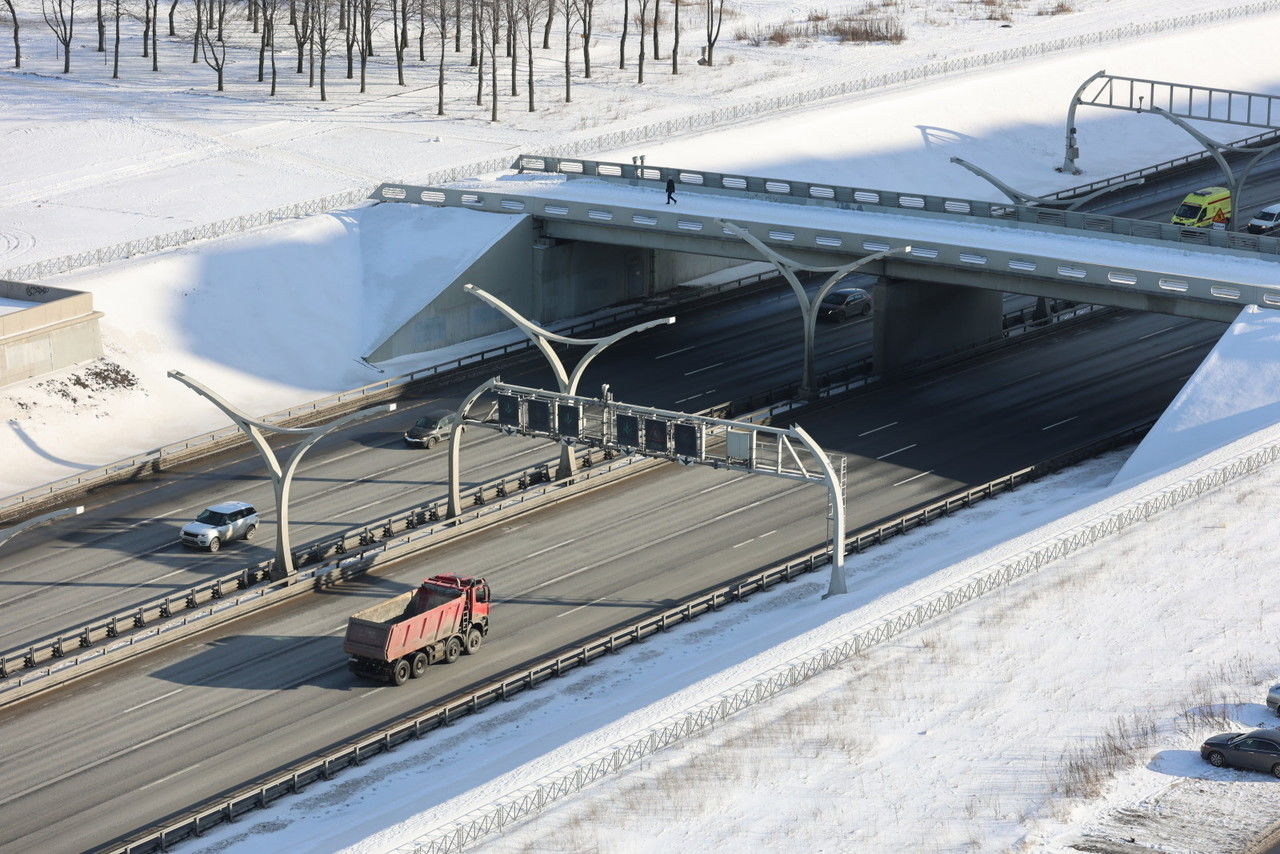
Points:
[[844, 303], [1273, 699], [1267, 219], [230, 520], [431, 428], [1254, 751]]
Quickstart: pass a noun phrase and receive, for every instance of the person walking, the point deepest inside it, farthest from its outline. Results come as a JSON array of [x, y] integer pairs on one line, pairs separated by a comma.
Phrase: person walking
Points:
[[671, 192]]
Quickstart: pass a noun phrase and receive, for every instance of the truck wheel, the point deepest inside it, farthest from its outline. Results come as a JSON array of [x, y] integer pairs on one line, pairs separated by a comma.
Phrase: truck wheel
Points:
[[400, 672], [419, 665], [452, 649], [475, 637]]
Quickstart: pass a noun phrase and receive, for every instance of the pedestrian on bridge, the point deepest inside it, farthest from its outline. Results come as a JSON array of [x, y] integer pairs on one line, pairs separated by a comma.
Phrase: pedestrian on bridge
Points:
[[671, 191]]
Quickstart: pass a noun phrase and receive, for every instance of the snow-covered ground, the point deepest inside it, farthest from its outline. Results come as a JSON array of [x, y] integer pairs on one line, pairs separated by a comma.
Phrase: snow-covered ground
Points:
[[1068, 705], [146, 155]]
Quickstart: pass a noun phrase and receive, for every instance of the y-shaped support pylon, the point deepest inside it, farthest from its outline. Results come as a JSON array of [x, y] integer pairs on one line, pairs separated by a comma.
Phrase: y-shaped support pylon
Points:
[[1020, 198], [568, 381], [808, 307], [281, 478], [1216, 149]]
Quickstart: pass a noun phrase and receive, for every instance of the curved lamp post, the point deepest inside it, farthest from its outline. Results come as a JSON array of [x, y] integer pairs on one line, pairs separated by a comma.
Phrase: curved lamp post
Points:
[[541, 338], [808, 307], [7, 534], [1020, 198], [281, 477], [1215, 149]]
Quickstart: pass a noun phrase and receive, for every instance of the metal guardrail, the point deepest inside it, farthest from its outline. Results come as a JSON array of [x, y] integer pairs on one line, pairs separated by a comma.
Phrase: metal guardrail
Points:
[[262, 791], [873, 200], [188, 449]]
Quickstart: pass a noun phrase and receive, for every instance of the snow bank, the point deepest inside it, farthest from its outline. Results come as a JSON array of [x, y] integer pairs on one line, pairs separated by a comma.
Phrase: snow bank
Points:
[[1234, 392], [244, 316]]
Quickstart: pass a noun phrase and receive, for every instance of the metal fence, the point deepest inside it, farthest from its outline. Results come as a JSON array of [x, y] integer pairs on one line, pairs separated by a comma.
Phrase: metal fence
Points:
[[696, 121], [532, 799], [263, 791]]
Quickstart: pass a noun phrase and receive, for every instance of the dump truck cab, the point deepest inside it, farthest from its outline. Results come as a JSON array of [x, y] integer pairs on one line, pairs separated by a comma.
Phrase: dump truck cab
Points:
[[1204, 208]]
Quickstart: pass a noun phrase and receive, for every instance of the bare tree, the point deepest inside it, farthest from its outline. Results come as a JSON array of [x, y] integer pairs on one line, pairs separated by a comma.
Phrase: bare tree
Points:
[[642, 6], [155, 38], [102, 30], [17, 46], [586, 11], [352, 38], [715, 17], [397, 40], [213, 51], [364, 25], [302, 29], [513, 41], [529, 12], [115, 54], [324, 12], [478, 22], [195, 39], [567, 10], [622, 42], [422, 30], [440, 21], [173, 7], [657, 4], [269, 10], [60, 15], [546, 30], [675, 42], [495, 13]]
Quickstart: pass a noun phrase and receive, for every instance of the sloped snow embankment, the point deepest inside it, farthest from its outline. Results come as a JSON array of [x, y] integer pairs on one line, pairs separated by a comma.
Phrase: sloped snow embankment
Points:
[[271, 319]]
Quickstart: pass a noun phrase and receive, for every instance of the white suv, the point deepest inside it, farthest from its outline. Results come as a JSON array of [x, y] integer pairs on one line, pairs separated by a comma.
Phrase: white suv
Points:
[[230, 520]]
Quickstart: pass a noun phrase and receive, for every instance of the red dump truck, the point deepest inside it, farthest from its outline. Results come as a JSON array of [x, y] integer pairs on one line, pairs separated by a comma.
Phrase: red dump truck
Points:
[[395, 640]]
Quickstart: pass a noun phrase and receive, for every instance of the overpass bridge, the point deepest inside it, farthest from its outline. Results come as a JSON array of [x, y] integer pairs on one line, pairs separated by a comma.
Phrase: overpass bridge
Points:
[[943, 294]]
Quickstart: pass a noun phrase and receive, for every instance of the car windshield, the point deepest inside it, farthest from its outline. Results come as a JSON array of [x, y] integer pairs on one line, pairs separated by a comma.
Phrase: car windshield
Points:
[[212, 517], [835, 299], [1267, 216], [1186, 211], [426, 422]]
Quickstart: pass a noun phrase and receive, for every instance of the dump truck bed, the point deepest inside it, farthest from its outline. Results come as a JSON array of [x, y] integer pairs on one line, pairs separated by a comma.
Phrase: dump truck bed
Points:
[[406, 623]]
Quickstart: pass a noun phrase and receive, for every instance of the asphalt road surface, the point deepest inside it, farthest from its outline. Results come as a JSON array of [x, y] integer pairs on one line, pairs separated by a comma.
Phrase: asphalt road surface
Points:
[[154, 735]]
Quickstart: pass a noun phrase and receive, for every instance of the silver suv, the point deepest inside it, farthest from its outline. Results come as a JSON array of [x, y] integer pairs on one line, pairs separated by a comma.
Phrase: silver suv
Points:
[[230, 520]]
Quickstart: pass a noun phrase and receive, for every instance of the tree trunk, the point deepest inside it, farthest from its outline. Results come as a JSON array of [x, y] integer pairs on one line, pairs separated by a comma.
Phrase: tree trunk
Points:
[[656, 5], [675, 41], [640, 58], [529, 55], [546, 30], [155, 39], [622, 42], [273, 54], [172, 9], [115, 58], [474, 8], [323, 54], [479, 73], [514, 42], [311, 58], [493, 63], [444, 42], [195, 41], [17, 46], [457, 25], [102, 30], [422, 30], [146, 28], [568, 95]]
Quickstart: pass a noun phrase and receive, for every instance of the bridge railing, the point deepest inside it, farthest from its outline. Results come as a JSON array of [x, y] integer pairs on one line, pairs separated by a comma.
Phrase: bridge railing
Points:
[[840, 239], [871, 199]]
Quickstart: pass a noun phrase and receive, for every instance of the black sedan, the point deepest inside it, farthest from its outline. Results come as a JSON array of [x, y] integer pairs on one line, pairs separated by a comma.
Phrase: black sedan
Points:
[[843, 303], [1254, 751]]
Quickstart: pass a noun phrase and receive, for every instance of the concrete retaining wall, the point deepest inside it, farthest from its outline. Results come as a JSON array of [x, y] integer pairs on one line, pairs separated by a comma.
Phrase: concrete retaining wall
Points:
[[60, 330]]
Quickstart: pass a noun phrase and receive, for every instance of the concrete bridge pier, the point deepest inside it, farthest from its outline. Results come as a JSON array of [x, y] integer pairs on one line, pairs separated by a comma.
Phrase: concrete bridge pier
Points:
[[918, 321]]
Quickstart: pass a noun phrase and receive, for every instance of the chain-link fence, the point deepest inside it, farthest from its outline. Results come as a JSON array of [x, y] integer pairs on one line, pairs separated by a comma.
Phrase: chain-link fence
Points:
[[628, 136], [532, 799]]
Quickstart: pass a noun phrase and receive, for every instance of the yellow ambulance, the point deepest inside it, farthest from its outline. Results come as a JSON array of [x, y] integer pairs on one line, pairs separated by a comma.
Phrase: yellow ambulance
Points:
[[1204, 207]]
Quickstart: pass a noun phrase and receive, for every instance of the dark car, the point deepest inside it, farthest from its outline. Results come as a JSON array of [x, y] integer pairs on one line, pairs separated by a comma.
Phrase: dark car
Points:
[[431, 428], [1254, 751], [1273, 699], [844, 303]]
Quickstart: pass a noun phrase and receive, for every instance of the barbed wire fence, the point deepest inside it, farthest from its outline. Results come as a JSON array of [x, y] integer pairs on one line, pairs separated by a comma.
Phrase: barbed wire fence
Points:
[[612, 139], [530, 800]]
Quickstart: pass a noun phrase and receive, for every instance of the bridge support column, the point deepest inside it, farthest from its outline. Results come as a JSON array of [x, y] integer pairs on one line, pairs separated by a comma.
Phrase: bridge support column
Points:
[[918, 321]]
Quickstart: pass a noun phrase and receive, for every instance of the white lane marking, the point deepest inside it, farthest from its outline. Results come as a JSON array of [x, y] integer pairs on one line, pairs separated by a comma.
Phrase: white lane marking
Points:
[[690, 397], [511, 528], [744, 542], [700, 370], [721, 485], [171, 776], [913, 477], [753, 539], [652, 543], [878, 429], [900, 450], [152, 700], [762, 536], [1179, 350], [1059, 423], [368, 694], [677, 352], [552, 548], [1157, 332], [580, 607]]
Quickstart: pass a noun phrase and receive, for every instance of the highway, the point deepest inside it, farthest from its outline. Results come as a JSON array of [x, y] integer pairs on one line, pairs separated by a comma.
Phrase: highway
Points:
[[124, 550], [152, 736]]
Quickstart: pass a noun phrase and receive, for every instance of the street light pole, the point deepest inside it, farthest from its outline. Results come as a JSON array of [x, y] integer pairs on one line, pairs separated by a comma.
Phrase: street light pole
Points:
[[541, 338], [808, 307], [7, 534], [281, 477]]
